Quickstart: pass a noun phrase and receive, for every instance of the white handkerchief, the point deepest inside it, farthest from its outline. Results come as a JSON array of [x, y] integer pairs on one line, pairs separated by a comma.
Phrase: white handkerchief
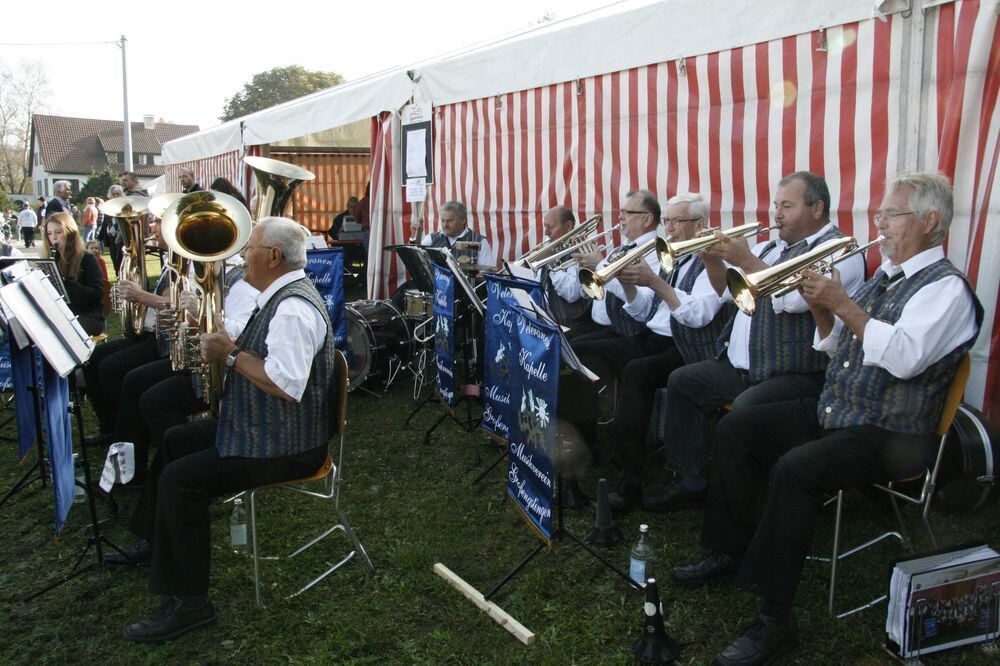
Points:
[[119, 466]]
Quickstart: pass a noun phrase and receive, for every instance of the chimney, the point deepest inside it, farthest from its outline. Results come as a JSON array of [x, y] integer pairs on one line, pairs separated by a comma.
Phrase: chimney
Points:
[[148, 122]]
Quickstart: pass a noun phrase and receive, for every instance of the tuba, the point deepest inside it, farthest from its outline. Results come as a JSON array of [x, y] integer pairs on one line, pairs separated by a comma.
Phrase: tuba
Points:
[[131, 212], [748, 288], [206, 227], [276, 180]]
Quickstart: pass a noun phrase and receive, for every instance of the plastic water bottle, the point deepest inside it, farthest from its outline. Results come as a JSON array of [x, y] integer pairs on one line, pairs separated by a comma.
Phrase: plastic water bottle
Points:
[[640, 565], [79, 493], [238, 528]]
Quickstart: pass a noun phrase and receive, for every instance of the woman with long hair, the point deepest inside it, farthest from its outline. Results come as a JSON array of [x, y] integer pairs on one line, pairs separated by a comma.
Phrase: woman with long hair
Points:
[[223, 185], [79, 269]]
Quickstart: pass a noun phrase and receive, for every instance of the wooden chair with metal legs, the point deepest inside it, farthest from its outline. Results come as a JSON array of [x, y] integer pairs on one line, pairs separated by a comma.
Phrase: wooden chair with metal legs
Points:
[[331, 474], [952, 401]]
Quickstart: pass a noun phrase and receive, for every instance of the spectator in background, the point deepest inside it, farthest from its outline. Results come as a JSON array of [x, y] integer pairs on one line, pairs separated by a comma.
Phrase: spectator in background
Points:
[[94, 248], [224, 186], [349, 214], [130, 183], [27, 220], [88, 223], [188, 183], [40, 210], [109, 233], [60, 202], [361, 214]]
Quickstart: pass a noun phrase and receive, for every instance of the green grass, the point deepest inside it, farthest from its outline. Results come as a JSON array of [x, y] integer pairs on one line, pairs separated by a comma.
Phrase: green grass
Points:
[[413, 506]]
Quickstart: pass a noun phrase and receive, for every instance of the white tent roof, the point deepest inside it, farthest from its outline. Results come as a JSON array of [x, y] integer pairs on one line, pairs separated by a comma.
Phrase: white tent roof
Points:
[[622, 35]]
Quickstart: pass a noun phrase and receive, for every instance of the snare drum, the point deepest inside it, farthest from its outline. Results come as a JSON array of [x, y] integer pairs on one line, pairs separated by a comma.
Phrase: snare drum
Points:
[[418, 305], [378, 336]]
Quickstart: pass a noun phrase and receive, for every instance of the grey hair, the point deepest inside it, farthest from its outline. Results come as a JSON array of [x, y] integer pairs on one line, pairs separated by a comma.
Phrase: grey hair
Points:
[[188, 170], [929, 191], [456, 207], [287, 235], [697, 206], [61, 185], [116, 191]]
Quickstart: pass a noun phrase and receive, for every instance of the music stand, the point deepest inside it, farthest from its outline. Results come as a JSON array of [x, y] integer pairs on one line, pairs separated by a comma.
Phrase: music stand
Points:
[[418, 265]]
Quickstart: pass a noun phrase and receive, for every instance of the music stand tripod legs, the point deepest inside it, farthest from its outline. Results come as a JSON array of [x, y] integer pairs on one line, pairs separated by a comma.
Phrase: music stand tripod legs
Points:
[[39, 464]]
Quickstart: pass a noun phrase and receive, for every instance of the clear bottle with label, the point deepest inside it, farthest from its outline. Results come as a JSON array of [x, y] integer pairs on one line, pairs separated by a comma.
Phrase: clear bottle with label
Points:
[[640, 564], [238, 527]]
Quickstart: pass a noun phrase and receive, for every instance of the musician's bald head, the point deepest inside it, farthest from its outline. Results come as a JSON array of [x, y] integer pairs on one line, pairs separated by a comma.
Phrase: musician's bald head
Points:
[[557, 221]]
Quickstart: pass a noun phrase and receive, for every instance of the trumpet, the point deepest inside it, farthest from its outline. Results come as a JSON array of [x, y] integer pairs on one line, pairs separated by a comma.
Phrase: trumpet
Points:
[[680, 249], [549, 247], [561, 260], [786, 277]]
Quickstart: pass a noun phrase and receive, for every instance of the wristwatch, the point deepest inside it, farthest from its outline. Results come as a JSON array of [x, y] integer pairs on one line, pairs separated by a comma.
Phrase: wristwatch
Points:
[[231, 357]]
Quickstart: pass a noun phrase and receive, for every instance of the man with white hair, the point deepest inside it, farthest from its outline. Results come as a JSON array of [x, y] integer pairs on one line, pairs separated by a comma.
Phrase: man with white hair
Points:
[[272, 425], [60, 202]]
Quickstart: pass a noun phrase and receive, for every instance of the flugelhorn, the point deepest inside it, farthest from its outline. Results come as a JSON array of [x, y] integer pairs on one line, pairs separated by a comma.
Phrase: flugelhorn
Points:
[[748, 288], [594, 283], [680, 249], [131, 212], [563, 259], [546, 248], [825, 265], [276, 180], [206, 227]]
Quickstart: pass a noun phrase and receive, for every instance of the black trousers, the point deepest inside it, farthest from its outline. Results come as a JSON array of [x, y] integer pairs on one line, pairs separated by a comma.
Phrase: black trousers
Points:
[[697, 391], [778, 456], [190, 474], [160, 390], [106, 370], [29, 236], [641, 363]]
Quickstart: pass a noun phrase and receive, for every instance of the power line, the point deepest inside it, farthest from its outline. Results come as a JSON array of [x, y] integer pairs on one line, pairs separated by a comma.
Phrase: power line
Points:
[[55, 43]]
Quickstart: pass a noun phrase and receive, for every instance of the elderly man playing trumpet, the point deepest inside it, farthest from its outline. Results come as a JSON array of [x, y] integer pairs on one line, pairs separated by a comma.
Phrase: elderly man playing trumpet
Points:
[[894, 348]]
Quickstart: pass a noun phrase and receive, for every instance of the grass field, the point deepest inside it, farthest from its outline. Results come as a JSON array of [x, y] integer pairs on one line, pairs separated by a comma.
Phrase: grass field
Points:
[[413, 506]]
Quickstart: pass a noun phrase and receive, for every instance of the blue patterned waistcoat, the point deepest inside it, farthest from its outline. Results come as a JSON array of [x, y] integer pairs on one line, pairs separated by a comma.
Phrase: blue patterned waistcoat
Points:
[[698, 344], [254, 424], [855, 394]]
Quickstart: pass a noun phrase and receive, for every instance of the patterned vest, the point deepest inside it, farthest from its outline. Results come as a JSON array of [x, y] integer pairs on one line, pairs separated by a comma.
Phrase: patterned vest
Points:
[[439, 239], [781, 344], [233, 275], [855, 394], [698, 344], [566, 313], [253, 424]]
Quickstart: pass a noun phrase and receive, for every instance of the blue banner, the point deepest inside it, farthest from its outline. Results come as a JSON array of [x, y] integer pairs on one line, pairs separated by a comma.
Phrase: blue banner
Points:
[[325, 267], [444, 333], [535, 385], [6, 374], [21, 361], [60, 438], [500, 350]]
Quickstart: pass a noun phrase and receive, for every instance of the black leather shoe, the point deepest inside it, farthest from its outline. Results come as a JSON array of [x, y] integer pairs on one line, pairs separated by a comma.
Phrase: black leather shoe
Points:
[[673, 498], [137, 555], [767, 639], [625, 497], [170, 621], [714, 568]]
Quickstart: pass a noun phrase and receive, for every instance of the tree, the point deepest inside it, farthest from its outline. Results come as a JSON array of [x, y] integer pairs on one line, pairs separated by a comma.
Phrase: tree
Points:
[[23, 90], [97, 185], [275, 86]]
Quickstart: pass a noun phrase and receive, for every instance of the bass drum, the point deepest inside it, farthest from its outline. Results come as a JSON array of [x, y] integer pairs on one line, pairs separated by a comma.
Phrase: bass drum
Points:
[[968, 466], [378, 342]]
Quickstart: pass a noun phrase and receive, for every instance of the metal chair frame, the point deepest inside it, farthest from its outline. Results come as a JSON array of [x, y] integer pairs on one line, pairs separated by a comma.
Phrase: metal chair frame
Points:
[[331, 474], [953, 399]]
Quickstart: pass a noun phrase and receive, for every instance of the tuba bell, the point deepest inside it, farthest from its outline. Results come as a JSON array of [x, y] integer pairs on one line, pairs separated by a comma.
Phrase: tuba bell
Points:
[[206, 227], [276, 180], [131, 212]]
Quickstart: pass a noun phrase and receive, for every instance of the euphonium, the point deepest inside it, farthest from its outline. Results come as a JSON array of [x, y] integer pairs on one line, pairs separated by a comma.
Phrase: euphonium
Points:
[[571, 238], [680, 249], [131, 213], [747, 288], [276, 180], [206, 227]]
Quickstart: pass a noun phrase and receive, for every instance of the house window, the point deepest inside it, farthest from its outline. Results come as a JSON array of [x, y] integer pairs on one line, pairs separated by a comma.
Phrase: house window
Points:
[[141, 159]]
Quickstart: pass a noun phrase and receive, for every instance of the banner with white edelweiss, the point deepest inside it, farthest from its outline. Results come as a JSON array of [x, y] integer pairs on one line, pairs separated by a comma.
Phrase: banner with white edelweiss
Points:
[[534, 386]]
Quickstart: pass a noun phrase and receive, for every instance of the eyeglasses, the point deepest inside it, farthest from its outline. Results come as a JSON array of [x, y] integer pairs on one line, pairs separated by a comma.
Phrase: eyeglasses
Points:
[[247, 248], [884, 215], [667, 220], [623, 212]]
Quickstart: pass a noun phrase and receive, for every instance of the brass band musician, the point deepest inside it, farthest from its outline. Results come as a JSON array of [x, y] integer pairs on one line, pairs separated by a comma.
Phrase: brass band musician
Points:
[[454, 229]]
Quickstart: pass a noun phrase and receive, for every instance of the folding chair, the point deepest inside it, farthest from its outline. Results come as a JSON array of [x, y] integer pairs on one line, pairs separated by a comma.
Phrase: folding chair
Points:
[[952, 401], [330, 473]]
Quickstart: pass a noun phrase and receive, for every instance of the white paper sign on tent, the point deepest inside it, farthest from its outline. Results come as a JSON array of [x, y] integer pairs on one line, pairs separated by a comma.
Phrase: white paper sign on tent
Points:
[[416, 153], [416, 190]]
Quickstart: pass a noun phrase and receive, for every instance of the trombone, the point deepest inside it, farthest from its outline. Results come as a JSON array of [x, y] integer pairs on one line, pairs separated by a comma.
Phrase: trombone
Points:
[[681, 249], [783, 278]]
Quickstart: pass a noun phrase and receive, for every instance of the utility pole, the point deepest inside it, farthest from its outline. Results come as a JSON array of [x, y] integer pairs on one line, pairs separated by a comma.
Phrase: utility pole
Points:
[[127, 126]]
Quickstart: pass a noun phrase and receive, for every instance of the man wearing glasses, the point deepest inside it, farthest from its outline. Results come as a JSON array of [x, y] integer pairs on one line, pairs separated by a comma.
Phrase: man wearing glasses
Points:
[[764, 358], [894, 348]]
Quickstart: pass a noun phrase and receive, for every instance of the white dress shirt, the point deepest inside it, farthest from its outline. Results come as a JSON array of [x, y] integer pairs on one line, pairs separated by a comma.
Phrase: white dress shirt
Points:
[[485, 256], [295, 334], [852, 275], [936, 320], [634, 309], [567, 283], [238, 305], [697, 309]]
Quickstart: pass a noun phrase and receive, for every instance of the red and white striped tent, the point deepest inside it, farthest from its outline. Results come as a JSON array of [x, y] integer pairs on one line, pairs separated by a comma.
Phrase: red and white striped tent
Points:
[[697, 95]]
